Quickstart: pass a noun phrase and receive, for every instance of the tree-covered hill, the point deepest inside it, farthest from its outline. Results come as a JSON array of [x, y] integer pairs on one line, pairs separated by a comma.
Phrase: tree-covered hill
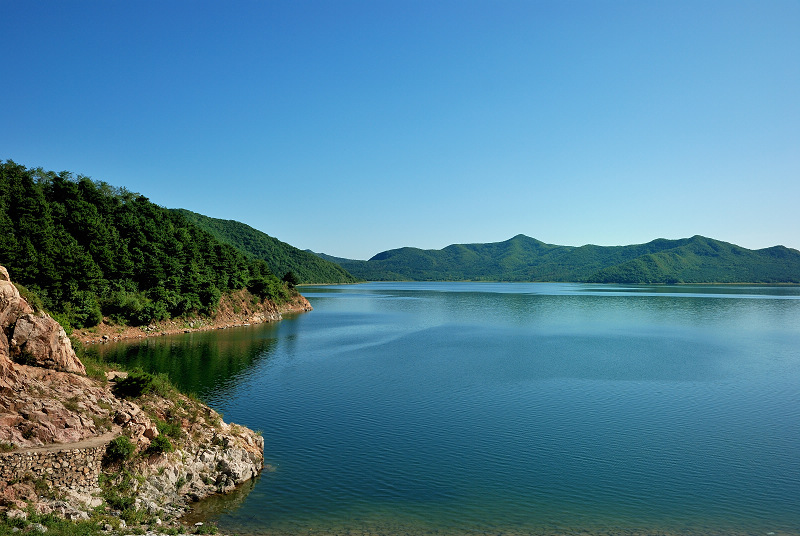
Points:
[[703, 260], [88, 249], [688, 260], [279, 256]]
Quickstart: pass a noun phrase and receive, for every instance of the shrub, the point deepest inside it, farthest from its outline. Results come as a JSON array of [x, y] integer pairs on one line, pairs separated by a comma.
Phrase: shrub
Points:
[[31, 297], [134, 385], [170, 429], [118, 501], [139, 383], [160, 444], [126, 307], [119, 449], [290, 279]]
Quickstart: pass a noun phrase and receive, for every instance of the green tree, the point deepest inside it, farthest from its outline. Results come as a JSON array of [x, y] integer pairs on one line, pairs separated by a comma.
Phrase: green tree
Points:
[[290, 279]]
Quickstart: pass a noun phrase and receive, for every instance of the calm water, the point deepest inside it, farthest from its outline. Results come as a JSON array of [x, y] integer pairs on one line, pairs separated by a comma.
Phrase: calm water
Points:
[[472, 408]]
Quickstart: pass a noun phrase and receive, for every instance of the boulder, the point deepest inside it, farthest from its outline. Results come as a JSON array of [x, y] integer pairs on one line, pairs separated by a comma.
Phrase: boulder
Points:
[[33, 339], [40, 341], [135, 424]]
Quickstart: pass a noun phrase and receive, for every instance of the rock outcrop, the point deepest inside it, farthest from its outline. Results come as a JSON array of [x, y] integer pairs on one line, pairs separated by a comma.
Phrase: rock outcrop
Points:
[[12, 305], [45, 396], [32, 338], [215, 462], [48, 405], [40, 341]]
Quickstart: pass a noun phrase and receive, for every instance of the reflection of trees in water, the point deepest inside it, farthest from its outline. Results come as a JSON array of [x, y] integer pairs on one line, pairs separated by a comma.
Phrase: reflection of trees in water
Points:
[[198, 362]]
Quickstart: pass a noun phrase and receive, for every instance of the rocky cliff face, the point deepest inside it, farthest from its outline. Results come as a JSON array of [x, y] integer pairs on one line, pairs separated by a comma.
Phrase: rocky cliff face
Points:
[[46, 398], [42, 382], [32, 339]]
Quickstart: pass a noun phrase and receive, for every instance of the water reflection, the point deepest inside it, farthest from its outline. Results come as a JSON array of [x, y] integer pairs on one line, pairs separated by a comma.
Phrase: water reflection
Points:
[[202, 362], [216, 506]]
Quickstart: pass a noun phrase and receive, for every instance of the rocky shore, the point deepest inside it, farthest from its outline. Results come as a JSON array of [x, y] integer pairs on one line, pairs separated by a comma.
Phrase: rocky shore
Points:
[[73, 443]]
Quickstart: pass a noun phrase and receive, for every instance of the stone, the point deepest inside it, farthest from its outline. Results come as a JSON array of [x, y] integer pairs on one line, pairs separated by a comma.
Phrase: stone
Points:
[[12, 305], [16, 514], [40, 341]]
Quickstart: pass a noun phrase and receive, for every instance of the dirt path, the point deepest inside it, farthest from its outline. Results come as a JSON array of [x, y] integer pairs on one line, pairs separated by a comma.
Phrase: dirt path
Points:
[[83, 444]]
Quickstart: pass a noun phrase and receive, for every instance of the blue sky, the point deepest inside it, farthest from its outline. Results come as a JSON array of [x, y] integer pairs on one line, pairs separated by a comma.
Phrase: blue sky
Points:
[[352, 127]]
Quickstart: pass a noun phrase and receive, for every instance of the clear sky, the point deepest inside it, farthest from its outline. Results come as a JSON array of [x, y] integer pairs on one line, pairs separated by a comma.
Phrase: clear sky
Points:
[[352, 127]]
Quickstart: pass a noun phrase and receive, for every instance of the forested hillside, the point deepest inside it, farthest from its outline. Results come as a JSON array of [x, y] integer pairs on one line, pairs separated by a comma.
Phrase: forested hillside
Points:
[[88, 249], [689, 260], [279, 256]]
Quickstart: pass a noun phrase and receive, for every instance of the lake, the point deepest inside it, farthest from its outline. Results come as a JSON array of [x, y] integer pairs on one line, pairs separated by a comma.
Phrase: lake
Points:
[[509, 408]]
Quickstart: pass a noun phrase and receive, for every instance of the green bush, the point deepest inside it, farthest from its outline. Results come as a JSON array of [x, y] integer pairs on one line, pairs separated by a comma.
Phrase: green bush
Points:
[[31, 297], [290, 279], [160, 444], [169, 429], [119, 449], [140, 383], [135, 385], [118, 501]]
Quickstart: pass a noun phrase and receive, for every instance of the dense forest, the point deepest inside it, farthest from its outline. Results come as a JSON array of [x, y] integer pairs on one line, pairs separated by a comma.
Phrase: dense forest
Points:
[[86, 250], [279, 256], [689, 260]]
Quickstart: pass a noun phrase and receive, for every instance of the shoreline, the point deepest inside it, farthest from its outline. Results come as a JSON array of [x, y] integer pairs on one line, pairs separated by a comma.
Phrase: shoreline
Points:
[[225, 318]]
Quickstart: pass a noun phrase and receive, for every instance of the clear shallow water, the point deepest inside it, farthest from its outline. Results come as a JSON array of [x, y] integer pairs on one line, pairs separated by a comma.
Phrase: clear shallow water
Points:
[[510, 408]]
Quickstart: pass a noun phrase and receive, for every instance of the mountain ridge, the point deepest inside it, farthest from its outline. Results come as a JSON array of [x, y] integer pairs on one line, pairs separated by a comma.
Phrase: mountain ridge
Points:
[[697, 259]]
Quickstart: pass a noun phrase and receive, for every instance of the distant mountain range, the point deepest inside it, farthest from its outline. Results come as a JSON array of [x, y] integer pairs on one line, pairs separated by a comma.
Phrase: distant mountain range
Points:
[[279, 256], [689, 260]]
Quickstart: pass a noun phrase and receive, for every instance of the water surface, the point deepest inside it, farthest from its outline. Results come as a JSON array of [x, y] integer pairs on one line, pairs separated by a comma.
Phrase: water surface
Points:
[[492, 408]]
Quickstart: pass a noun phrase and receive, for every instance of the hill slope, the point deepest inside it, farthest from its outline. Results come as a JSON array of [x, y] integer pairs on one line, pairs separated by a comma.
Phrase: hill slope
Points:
[[279, 256], [89, 250], [688, 260]]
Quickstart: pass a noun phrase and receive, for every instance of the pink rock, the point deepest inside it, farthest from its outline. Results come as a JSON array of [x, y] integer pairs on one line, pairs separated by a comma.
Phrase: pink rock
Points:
[[41, 342]]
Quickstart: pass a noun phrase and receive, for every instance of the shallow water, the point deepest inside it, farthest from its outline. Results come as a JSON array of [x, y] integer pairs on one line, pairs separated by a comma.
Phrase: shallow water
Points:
[[492, 408]]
